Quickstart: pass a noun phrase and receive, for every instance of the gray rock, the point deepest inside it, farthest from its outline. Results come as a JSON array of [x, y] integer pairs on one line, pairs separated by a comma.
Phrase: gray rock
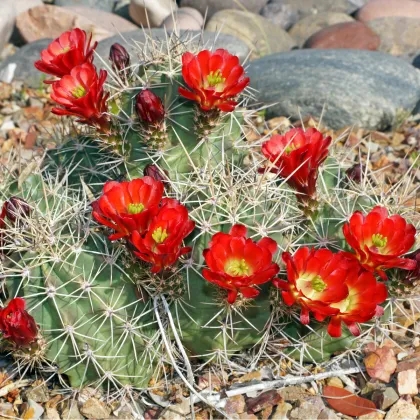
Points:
[[38, 394], [384, 399], [399, 35], [24, 60], [95, 409], [234, 45], [106, 5], [283, 15], [72, 412], [213, 6], [7, 21], [366, 88], [23, 5], [260, 35]]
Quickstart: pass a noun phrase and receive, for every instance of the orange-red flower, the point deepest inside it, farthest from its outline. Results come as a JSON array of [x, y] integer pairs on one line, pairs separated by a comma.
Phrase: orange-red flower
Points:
[[128, 206], [237, 264], [16, 324], [161, 245], [215, 79], [81, 94], [315, 280], [69, 50], [297, 157], [379, 240], [361, 304]]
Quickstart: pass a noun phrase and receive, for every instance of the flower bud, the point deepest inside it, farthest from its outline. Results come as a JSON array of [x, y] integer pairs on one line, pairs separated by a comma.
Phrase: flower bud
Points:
[[16, 207], [149, 107], [119, 57], [355, 173], [156, 173]]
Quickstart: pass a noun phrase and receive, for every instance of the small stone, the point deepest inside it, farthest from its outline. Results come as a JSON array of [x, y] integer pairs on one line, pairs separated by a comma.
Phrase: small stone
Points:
[[372, 416], [412, 361], [95, 409], [407, 382], [72, 412], [376, 9], [185, 18], [151, 12], [40, 392], [282, 411], [402, 410], [51, 413], [328, 414], [33, 411], [311, 408], [178, 411], [293, 393], [381, 363], [337, 382], [283, 15], [235, 405], [266, 399], [384, 399]]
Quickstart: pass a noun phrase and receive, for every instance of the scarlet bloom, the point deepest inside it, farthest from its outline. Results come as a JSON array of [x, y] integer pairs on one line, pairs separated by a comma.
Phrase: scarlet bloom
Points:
[[149, 107], [69, 50], [119, 57], [161, 245], [315, 280], [81, 93], [361, 304], [16, 324], [215, 79], [297, 156], [379, 240], [128, 206], [237, 264]]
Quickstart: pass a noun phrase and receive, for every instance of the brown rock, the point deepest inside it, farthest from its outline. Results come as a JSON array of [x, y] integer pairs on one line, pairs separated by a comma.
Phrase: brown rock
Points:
[[407, 382], [353, 35], [264, 400], [376, 9], [381, 364], [235, 405], [410, 362], [402, 410], [51, 21]]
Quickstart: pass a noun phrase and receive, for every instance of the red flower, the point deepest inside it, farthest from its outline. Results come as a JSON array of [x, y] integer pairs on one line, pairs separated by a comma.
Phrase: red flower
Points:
[[237, 264], [161, 245], [149, 107], [361, 304], [128, 206], [316, 279], [215, 78], [82, 95], [379, 240], [297, 156], [69, 50], [16, 324]]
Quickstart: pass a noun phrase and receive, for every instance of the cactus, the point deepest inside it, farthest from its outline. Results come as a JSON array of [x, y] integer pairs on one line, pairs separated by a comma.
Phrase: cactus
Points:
[[102, 313]]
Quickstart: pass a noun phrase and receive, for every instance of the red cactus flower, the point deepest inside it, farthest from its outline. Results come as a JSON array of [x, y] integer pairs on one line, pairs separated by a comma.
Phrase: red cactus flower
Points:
[[361, 304], [297, 156], [379, 240], [81, 93], [16, 324], [149, 107], [316, 279], [69, 50], [237, 264], [161, 245], [128, 206], [215, 79]]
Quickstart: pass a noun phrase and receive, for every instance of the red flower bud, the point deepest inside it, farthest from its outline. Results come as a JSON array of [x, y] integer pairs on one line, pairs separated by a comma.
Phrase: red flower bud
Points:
[[16, 207], [16, 324], [149, 107], [119, 57], [355, 173], [156, 173]]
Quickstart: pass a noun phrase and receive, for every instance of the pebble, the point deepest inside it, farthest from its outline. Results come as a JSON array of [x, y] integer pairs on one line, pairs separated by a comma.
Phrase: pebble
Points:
[[376, 9], [95, 409], [33, 411], [385, 399], [72, 412], [407, 382], [235, 405], [39, 393], [402, 410], [151, 12], [337, 382], [186, 18]]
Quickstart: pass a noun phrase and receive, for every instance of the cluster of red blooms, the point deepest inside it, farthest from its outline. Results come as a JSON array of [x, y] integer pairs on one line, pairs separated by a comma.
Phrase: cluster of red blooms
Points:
[[154, 225], [79, 90]]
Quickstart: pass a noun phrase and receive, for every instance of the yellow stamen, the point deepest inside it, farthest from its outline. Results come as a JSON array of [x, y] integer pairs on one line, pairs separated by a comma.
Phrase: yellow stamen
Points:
[[379, 241], [79, 92], [290, 148], [215, 78], [64, 50], [159, 235], [237, 268], [318, 284], [343, 305], [135, 208]]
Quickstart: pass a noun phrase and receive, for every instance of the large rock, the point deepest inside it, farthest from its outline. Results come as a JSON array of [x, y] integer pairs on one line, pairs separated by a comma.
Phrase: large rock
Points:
[[399, 35], [376, 9], [186, 18], [213, 6], [352, 35], [260, 35], [283, 15], [51, 21], [104, 5], [7, 21], [23, 5], [151, 12], [312, 24], [365, 88]]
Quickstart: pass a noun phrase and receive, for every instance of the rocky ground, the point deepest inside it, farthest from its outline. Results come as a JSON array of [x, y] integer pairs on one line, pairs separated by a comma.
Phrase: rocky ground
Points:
[[369, 100]]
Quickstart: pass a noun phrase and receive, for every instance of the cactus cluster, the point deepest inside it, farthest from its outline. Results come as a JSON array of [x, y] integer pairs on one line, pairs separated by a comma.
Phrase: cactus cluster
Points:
[[105, 315]]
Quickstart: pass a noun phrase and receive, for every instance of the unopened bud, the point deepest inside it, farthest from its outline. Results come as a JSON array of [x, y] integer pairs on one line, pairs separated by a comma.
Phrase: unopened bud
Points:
[[119, 57], [149, 107], [16, 207], [355, 173], [156, 173]]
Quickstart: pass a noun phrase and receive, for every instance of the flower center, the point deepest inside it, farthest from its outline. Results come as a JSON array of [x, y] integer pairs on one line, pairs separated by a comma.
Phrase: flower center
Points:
[[289, 148], [237, 268], [215, 78], [159, 235], [379, 241], [318, 284], [64, 50], [79, 92], [344, 305], [135, 208]]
